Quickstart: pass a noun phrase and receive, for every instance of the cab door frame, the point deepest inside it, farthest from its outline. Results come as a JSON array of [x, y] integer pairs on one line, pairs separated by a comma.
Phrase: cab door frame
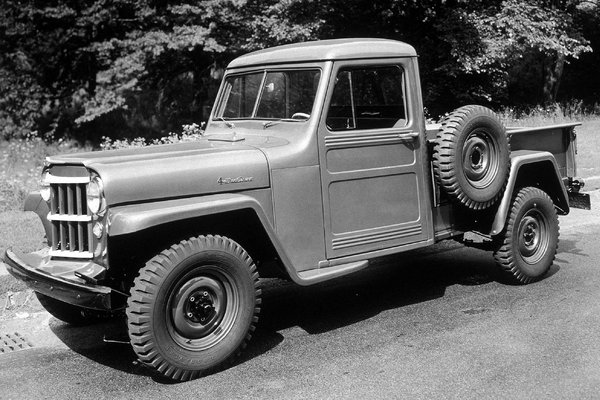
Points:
[[376, 183]]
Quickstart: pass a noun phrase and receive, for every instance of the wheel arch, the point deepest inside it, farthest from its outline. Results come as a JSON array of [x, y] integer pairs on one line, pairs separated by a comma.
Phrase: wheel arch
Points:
[[531, 168], [137, 232]]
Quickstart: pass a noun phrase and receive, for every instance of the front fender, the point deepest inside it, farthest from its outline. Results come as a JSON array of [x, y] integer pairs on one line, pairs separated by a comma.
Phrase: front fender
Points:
[[136, 217], [128, 219], [531, 168]]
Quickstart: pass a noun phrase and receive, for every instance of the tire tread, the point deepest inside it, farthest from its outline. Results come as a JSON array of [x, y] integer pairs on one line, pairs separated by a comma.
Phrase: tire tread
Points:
[[504, 254]]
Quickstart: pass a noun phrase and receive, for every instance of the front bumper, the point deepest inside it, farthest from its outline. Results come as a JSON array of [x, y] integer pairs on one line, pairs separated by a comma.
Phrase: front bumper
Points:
[[57, 279]]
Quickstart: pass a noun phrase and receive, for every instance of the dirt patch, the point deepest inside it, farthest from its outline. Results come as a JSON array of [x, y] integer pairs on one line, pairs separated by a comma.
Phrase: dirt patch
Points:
[[18, 305]]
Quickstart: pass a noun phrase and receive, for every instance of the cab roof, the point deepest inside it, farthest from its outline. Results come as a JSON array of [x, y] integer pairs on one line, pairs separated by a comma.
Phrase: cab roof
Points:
[[325, 50]]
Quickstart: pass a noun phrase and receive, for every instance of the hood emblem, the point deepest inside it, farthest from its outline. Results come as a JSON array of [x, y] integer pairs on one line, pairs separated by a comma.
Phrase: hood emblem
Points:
[[239, 179]]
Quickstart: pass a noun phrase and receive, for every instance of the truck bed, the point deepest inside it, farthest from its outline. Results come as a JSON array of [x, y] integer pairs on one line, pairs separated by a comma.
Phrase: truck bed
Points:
[[560, 140]]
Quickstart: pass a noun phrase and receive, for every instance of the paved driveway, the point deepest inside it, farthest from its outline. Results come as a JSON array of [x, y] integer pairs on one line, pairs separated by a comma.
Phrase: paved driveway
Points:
[[430, 324]]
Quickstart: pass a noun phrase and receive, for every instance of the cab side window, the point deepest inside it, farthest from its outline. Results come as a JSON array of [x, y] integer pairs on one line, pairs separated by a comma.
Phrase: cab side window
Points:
[[367, 98]]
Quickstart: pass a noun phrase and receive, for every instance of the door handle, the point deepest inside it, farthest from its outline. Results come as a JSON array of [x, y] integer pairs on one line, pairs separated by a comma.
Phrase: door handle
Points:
[[408, 136]]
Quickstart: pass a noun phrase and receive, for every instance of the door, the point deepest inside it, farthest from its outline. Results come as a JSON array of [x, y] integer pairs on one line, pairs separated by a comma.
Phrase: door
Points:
[[371, 158]]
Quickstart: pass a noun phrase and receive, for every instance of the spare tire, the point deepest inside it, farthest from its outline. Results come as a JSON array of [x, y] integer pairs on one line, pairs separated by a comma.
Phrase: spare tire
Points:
[[471, 157]]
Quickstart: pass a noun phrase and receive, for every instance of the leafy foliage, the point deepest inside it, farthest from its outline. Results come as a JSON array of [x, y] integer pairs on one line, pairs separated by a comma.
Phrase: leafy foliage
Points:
[[519, 34], [144, 65], [190, 133], [169, 63]]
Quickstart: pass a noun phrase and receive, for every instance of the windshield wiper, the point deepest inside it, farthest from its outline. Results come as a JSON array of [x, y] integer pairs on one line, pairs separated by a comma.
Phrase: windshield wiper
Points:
[[274, 122], [270, 123], [229, 124]]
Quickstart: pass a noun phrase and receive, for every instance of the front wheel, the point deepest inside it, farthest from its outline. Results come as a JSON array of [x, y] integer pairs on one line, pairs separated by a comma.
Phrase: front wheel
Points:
[[194, 306], [526, 250]]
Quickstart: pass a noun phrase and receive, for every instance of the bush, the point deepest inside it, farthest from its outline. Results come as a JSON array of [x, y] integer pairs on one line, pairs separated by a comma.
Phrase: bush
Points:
[[190, 133], [573, 110]]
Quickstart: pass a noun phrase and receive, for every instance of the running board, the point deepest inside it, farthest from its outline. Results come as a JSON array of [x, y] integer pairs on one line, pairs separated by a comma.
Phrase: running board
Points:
[[322, 274]]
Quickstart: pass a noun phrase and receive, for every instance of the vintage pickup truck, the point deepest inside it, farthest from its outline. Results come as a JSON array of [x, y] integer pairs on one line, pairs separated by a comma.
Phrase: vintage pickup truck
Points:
[[316, 159]]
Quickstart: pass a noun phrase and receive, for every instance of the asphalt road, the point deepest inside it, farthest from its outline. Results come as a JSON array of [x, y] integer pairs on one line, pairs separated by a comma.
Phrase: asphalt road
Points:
[[430, 324]]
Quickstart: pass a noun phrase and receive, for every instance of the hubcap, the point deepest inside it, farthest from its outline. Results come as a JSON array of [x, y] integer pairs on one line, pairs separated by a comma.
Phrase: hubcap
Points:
[[202, 308], [533, 236], [480, 159]]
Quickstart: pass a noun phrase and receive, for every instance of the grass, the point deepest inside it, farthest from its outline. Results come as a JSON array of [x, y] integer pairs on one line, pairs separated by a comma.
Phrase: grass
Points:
[[26, 231], [21, 231], [21, 162]]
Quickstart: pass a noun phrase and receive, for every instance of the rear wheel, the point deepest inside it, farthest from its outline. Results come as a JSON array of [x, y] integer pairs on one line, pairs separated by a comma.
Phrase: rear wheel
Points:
[[69, 313], [526, 250], [194, 306]]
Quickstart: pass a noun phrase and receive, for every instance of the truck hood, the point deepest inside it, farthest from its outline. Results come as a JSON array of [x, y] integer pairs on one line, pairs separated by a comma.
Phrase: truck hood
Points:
[[174, 170]]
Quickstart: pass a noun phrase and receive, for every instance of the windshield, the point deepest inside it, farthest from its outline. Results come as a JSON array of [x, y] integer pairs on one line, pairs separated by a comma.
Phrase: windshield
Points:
[[288, 94]]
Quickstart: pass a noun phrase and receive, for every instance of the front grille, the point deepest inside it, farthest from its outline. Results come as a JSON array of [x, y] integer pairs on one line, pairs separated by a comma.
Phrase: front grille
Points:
[[70, 219]]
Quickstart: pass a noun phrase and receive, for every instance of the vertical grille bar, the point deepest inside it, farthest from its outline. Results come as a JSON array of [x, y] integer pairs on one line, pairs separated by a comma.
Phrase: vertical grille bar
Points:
[[79, 199], [81, 206], [55, 235], [81, 237], [61, 199], [72, 239], [63, 236], [70, 199], [54, 199]]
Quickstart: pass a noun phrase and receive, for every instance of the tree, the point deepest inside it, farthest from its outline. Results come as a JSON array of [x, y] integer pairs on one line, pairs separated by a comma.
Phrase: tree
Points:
[[517, 34], [44, 56], [167, 65], [88, 66], [581, 80], [93, 68]]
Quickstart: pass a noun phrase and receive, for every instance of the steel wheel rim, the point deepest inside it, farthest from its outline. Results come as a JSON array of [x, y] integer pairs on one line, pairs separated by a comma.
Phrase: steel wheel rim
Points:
[[533, 236], [209, 293], [480, 159]]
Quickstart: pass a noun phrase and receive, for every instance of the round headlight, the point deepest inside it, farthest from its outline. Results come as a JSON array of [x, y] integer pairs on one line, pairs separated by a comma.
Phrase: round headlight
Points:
[[45, 191], [94, 195]]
